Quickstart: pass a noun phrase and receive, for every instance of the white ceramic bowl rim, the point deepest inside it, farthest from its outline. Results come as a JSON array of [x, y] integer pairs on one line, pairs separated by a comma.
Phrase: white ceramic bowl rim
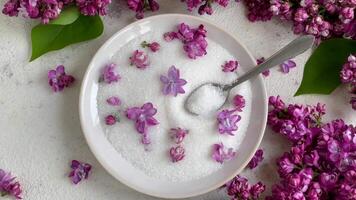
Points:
[[101, 148]]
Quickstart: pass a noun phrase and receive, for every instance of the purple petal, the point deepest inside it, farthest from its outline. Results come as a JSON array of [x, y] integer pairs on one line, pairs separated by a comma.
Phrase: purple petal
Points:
[[164, 79]]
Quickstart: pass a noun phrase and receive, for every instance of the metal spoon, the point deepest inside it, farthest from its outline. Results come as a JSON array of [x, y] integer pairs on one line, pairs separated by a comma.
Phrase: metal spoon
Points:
[[294, 48]]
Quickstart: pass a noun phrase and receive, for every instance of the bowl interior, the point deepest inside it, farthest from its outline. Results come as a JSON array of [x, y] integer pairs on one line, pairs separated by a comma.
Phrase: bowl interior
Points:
[[121, 168]]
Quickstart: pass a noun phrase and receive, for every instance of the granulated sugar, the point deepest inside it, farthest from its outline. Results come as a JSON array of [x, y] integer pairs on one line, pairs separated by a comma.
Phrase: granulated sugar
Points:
[[139, 86], [206, 99]]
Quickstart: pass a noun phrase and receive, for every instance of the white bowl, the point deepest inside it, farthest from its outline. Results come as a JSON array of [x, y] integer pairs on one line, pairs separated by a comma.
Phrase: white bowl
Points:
[[120, 168]]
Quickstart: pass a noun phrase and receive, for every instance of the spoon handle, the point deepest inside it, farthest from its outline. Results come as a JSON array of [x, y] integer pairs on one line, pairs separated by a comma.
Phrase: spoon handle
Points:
[[294, 48]]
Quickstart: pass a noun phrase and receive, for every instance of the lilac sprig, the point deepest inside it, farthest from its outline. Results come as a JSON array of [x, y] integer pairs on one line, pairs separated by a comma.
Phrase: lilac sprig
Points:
[[322, 161], [48, 10]]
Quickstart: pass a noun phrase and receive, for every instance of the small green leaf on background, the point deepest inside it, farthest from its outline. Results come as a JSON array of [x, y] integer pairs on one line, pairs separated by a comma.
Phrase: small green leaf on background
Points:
[[67, 16], [321, 72], [51, 37]]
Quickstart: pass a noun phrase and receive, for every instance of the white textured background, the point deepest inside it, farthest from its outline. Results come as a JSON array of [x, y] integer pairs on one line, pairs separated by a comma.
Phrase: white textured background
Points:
[[40, 131]]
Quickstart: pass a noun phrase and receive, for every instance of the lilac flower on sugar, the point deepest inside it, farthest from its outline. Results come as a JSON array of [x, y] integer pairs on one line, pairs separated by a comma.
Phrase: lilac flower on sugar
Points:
[[110, 120], [143, 117], [80, 171], [113, 101], [140, 6], [239, 102], [193, 39], [221, 153], [154, 46], [230, 66], [172, 83], [58, 79], [257, 158], [109, 75], [91, 8], [227, 121], [139, 59], [178, 134], [8, 185], [177, 153], [287, 65]]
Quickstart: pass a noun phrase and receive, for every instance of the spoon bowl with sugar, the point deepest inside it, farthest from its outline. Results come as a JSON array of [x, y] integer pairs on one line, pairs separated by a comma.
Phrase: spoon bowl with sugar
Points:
[[210, 97]]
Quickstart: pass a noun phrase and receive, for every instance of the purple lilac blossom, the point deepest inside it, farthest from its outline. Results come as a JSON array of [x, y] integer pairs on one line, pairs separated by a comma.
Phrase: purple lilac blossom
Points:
[[110, 120], [230, 66], [139, 59], [194, 40], [204, 6], [140, 6], [172, 83], [257, 158], [58, 79], [287, 65], [227, 121], [221, 153], [92, 8], [8, 185], [80, 171], [109, 75], [178, 134], [322, 160], [47, 10], [239, 189], [153, 46], [239, 102], [348, 76], [113, 101], [143, 117], [177, 153]]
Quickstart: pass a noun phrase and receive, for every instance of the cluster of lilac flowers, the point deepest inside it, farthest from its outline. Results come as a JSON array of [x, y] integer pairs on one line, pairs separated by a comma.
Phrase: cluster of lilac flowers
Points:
[[177, 152], [348, 76], [172, 83], [47, 10], [204, 6], [58, 79], [80, 171], [193, 39], [143, 117], [140, 6], [239, 189], [221, 153], [323, 19], [321, 164], [8, 185]]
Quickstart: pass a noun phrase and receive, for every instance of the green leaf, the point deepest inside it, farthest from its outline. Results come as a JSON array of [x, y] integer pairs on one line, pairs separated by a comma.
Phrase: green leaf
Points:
[[67, 16], [52, 37], [321, 72]]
